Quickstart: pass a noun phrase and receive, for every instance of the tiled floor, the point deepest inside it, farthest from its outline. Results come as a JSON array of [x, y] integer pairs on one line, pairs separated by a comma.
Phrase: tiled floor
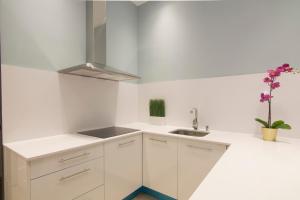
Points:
[[144, 197]]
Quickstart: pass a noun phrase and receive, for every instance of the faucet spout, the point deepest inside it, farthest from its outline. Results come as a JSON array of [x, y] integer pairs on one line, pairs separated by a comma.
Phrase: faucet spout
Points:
[[195, 120]]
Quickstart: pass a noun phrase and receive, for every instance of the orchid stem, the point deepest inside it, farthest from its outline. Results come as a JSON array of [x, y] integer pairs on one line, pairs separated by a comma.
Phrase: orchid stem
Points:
[[270, 111]]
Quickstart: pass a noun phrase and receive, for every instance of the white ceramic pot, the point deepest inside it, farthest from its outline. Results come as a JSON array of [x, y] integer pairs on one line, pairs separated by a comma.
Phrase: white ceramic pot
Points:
[[157, 120]]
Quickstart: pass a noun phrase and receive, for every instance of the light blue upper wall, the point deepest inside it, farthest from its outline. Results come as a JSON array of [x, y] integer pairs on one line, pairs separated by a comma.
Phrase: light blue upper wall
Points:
[[44, 34], [50, 34], [185, 40], [174, 40], [122, 36]]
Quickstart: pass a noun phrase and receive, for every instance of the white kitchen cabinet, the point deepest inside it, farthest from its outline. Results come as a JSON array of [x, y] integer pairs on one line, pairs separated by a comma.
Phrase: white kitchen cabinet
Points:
[[167, 164], [160, 164], [69, 183], [16, 176], [96, 194], [56, 162], [60, 176], [195, 160], [123, 167]]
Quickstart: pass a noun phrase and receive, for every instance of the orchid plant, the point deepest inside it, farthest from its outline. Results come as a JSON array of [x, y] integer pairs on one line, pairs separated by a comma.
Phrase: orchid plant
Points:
[[271, 81]]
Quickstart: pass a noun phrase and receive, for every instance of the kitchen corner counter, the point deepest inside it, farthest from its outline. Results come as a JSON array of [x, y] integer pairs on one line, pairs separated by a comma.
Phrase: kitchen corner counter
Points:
[[251, 169]]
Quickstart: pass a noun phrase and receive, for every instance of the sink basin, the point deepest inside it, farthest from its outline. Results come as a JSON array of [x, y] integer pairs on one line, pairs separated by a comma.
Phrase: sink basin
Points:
[[190, 132]]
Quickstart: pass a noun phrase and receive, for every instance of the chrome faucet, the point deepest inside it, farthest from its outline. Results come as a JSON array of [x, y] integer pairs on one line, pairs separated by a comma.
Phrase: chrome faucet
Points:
[[195, 120]]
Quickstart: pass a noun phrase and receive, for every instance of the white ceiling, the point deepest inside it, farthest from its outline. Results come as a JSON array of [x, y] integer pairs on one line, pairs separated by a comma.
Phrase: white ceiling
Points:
[[138, 3]]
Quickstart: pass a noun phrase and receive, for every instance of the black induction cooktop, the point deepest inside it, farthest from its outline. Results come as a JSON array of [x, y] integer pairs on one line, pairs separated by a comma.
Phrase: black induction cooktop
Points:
[[108, 132]]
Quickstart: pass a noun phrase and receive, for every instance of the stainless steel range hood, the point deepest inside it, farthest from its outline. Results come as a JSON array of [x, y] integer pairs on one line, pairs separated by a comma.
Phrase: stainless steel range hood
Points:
[[95, 65]]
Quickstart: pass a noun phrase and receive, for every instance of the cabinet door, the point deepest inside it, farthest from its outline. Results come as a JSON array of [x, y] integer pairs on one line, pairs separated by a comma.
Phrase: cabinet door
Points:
[[123, 167], [160, 164], [195, 160]]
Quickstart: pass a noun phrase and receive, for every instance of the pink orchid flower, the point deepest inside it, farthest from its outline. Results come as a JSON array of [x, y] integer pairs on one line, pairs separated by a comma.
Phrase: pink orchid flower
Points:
[[270, 80], [273, 73], [275, 85], [265, 97], [267, 80]]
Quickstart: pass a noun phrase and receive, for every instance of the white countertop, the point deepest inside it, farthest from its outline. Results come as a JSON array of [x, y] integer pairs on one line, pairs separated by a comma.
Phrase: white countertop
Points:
[[46, 146], [251, 169]]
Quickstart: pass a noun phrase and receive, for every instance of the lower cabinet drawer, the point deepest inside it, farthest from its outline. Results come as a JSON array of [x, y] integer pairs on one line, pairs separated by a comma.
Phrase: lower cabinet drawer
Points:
[[69, 183], [43, 166], [96, 194]]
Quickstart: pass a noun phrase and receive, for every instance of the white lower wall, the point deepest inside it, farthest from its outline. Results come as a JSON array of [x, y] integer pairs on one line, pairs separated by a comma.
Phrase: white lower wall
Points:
[[224, 103], [127, 103], [39, 103]]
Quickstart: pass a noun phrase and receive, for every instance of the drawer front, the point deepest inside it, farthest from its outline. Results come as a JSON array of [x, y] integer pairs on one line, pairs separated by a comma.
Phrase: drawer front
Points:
[[96, 194], [69, 183], [44, 166]]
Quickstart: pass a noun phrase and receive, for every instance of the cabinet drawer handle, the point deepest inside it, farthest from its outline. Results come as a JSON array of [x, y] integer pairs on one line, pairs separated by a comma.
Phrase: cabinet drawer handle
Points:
[[75, 157], [196, 147], [64, 178], [125, 143], [157, 140]]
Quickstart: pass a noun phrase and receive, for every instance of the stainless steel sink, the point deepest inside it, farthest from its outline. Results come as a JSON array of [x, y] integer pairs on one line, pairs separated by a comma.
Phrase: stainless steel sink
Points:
[[190, 132]]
